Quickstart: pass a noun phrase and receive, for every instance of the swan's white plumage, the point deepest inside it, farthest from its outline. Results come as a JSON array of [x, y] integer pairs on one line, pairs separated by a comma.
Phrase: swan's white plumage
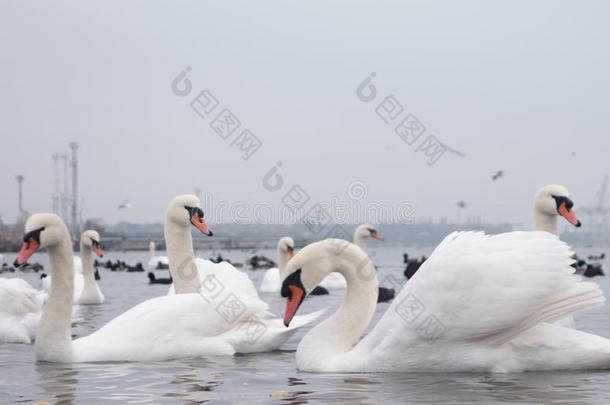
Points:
[[163, 328], [19, 311], [271, 282], [273, 278], [334, 281], [223, 274], [154, 260], [479, 303], [183, 325]]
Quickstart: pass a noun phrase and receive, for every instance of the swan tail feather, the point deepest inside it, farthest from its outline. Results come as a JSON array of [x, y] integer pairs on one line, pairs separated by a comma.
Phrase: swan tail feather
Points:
[[265, 335]]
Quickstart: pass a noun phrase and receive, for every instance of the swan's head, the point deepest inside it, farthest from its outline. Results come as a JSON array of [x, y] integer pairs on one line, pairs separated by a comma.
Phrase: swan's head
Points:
[[91, 239], [41, 231], [286, 246], [185, 210], [367, 231], [313, 263], [555, 200]]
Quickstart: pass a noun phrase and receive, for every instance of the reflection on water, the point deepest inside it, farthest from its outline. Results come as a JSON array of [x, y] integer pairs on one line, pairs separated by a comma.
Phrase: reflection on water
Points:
[[57, 383], [271, 377]]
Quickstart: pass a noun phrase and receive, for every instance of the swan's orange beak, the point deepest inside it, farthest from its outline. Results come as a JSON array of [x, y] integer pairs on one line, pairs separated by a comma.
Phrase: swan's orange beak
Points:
[[28, 248], [293, 303], [200, 224], [290, 252], [376, 235], [293, 290], [97, 249], [568, 214]]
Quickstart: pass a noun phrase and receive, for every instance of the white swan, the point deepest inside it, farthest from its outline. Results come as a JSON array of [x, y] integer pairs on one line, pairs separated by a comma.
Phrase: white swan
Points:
[[480, 303], [19, 311], [163, 328], [201, 276], [550, 202], [272, 280], [86, 289], [154, 260], [90, 293], [363, 232], [188, 272]]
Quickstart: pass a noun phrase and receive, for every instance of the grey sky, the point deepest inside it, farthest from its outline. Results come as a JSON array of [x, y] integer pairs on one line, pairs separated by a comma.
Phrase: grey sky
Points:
[[516, 85]]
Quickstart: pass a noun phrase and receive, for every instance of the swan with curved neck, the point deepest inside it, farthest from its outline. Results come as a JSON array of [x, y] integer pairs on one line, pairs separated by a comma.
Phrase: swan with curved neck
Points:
[[163, 328], [272, 280], [550, 202], [183, 212], [469, 308], [361, 234], [89, 245], [285, 251], [364, 232], [86, 289]]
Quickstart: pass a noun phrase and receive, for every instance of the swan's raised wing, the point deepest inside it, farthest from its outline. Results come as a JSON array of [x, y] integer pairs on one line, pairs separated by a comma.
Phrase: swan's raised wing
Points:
[[481, 288]]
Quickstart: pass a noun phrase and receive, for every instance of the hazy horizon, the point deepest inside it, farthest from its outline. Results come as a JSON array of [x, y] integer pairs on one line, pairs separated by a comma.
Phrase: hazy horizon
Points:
[[523, 92]]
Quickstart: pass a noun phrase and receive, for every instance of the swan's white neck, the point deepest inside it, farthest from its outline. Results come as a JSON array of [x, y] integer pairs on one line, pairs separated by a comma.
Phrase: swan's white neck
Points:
[[151, 249], [545, 222], [53, 338], [282, 261], [181, 259], [86, 257], [360, 241], [338, 334]]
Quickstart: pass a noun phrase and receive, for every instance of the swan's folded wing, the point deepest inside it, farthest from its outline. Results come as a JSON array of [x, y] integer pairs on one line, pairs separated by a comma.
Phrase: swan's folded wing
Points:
[[17, 298], [170, 327], [228, 276], [222, 276], [481, 288]]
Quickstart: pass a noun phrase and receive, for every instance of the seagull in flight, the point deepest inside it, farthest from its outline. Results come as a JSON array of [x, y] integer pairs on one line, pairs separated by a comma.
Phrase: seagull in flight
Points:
[[499, 173], [125, 205]]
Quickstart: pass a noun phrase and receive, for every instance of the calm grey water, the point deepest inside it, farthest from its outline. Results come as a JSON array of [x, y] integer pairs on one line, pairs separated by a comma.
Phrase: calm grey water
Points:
[[253, 378]]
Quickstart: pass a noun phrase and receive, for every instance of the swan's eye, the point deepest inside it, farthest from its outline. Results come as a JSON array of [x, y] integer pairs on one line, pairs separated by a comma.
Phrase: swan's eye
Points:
[[195, 211], [33, 235], [559, 200], [293, 279]]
